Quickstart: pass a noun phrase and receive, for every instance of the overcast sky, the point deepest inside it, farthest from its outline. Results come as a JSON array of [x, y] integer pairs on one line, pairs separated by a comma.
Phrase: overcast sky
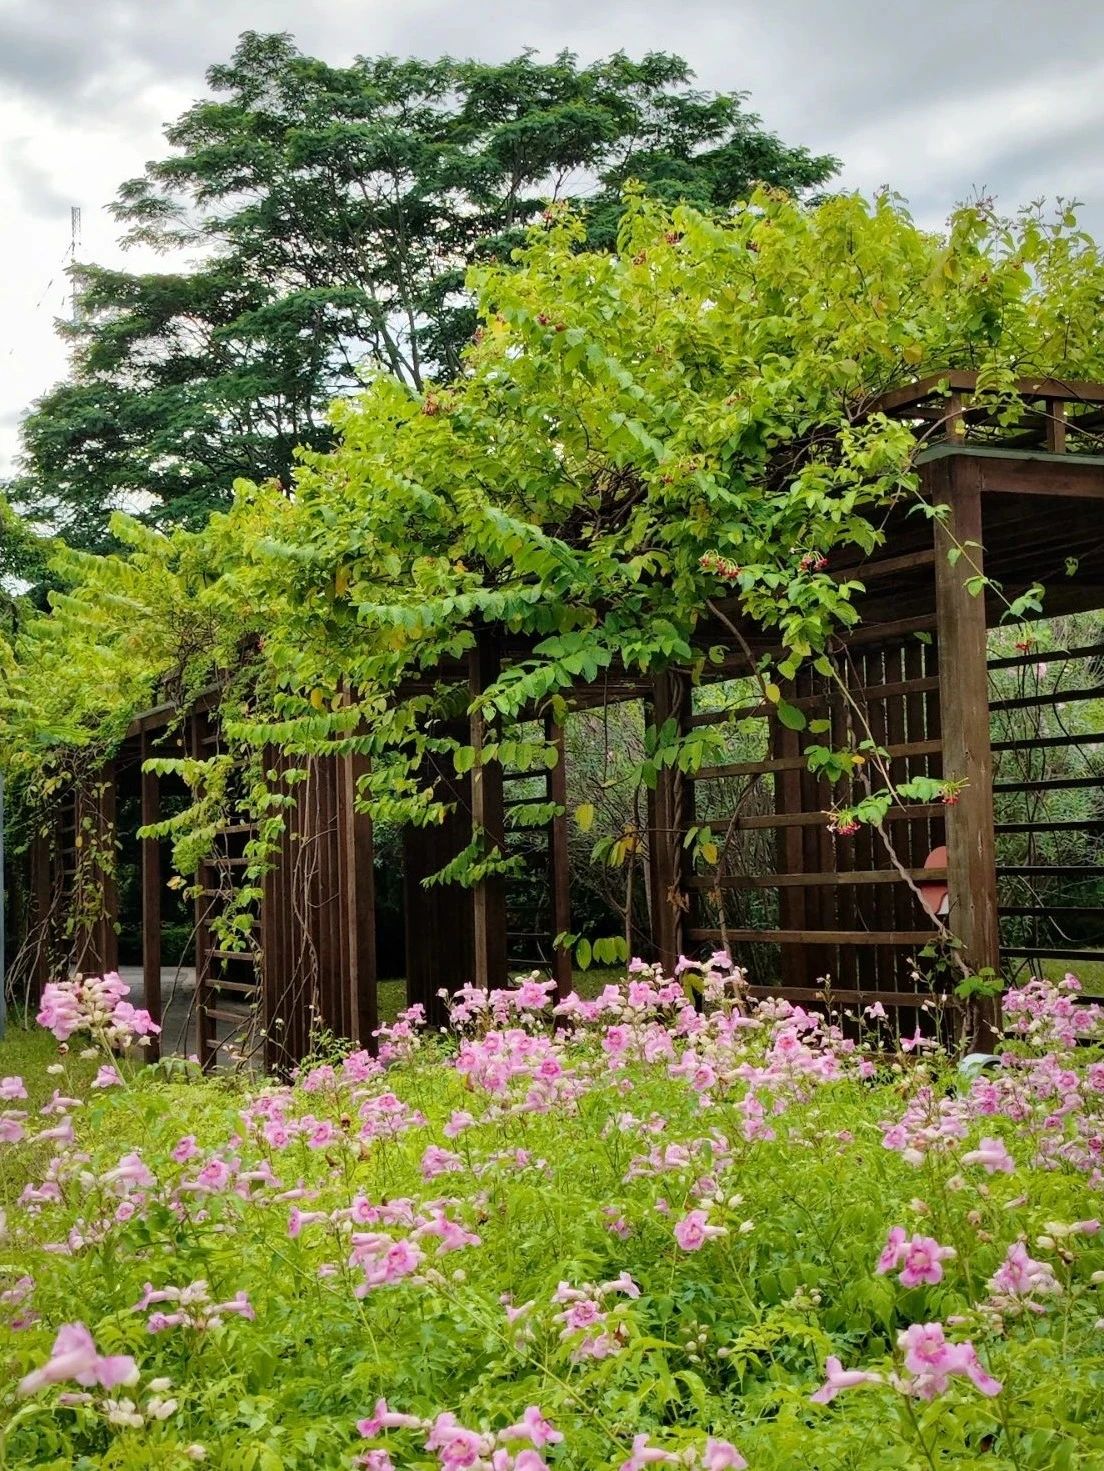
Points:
[[936, 99]]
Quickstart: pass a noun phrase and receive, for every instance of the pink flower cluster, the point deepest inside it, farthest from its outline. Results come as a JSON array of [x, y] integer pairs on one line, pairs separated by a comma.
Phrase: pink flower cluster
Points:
[[930, 1362], [588, 1323], [74, 1356], [920, 1258], [1049, 1015], [715, 1455], [192, 1308], [458, 1448], [694, 1230], [1020, 1280], [95, 1004]]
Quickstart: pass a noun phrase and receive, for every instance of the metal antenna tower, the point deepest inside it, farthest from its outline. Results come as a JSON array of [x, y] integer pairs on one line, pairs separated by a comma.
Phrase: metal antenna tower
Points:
[[74, 242]]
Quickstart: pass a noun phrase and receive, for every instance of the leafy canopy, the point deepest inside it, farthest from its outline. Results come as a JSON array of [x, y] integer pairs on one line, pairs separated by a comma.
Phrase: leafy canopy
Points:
[[333, 212], [625, 422]]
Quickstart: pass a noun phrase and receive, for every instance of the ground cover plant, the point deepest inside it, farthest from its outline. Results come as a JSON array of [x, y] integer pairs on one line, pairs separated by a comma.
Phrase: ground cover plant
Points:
[[622, 1232]]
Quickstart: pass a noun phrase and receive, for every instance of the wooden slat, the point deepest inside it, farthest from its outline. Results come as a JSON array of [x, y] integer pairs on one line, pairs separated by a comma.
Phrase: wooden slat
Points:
[[869, 695], [236, 1017], [1040, 871], [901, 751], [815, 937], [1035, 743], [1070, 825], [1054, 697], [1044, 952], [849, 997], [910, 813], [1056, 911], [1057, 656], [1050, 784], [885, 566], [240, 988]]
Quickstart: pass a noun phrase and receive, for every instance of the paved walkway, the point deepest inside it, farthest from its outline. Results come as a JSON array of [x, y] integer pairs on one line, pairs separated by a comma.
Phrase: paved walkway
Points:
[[178, 1028]]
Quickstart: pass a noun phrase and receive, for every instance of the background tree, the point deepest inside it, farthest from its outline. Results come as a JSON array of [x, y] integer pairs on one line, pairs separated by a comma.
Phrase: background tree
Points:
[[331, 214]]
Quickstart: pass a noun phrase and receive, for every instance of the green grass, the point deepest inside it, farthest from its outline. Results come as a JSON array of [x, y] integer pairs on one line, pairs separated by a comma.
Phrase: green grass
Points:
[[1089, 972], [588, 983], [29, 1052]]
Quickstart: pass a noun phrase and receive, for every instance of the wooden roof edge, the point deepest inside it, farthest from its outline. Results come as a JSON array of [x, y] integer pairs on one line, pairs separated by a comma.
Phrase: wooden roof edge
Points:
[[962, 380], [158, 716], [940, 449]]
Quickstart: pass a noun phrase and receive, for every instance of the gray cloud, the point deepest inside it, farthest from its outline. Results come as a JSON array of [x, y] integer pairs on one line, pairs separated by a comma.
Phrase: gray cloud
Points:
[[827, 74], [37, 193], [934, 100]]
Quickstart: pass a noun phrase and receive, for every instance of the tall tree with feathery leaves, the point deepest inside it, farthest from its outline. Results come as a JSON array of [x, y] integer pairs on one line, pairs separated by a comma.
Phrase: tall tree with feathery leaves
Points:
[[332, 213]]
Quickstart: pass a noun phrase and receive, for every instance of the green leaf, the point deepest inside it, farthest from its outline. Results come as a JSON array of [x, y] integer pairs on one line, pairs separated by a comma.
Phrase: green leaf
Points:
[[790, 716]]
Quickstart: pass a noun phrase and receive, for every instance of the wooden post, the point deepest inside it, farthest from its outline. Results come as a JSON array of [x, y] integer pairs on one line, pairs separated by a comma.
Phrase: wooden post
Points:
[[559, 860], [489, 896], [151, 897], [1055, 410], [795, 967], [438, 917], [205, 1027], [107, 934], [360, 880], [41, 864], [669, 815], [964, 700]]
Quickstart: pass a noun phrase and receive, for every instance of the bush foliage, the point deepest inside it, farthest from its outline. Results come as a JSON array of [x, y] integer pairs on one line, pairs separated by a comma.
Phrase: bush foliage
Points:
[[649, 1235]]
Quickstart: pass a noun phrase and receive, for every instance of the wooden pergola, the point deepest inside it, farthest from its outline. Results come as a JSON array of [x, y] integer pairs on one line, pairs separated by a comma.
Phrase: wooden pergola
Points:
[[1023, 505]]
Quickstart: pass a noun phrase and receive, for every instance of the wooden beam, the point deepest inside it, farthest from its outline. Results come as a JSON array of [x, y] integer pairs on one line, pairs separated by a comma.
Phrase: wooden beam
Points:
[[786, 744], [1035, 743], [830, 879], [1058, 656], [359, 905], [107, 927], [1052, 697], [963, 676], [487, 815], [559, 859], [206, 1048], [1047, 952], [851, 997], [800, 763], [1072, 476], [816, 937], [910, 813], [151, 896], [1049, 871], [670, 812], [1051, 784]]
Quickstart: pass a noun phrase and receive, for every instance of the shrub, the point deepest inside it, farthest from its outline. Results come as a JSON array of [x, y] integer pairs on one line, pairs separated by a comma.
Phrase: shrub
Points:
[[638, 1233]]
